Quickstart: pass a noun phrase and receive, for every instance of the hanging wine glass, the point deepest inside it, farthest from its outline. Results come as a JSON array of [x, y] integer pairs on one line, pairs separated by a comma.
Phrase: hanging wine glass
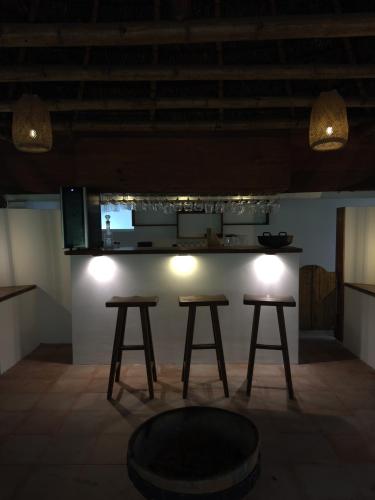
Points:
[[198, 206], [188, 206], [219, 207], [209, 207]]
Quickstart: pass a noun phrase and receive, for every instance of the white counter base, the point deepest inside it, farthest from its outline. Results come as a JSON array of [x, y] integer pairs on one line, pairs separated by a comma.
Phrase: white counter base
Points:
[[229, 274]]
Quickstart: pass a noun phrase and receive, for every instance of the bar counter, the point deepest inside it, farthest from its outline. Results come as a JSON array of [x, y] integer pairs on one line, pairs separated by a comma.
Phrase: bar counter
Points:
[[97, 275], [182, 250]]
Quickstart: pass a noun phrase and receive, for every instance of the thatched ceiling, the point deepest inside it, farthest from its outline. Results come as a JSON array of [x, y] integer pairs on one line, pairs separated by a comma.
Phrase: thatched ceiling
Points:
[[190, 68]]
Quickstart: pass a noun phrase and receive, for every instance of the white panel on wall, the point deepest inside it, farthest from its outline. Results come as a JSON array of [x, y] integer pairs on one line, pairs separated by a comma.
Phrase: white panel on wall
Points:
[[360, 245], [38, 258], [359, 324], [6, 265], [31, 253]]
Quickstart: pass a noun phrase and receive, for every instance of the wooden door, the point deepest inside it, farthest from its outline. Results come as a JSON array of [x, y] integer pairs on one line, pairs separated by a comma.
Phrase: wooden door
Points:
[[317, 298], [340, 258]]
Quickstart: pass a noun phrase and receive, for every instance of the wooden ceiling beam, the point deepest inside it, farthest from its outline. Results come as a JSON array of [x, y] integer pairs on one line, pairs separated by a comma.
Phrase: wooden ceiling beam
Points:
[[192, 103], [93, 126], [186, 73], [199, 31]]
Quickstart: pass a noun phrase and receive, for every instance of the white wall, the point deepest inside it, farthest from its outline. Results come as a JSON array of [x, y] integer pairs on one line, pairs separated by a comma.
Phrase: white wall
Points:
[[312, 222], [360, 245], [359, 321], [167, 235], [19, 328], [31, 253]]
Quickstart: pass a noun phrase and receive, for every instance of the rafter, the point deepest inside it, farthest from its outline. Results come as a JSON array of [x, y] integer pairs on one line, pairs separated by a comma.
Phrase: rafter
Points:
[[188, 73], [261, 102], [202, 31], [92, 126], [87, 54], [22, 51], [155, 58], [282, 54]]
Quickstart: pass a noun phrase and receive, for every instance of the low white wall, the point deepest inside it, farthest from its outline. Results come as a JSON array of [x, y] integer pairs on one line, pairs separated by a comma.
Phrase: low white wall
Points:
[[31, 253], [359, 321], [19, 328], [231, 274]]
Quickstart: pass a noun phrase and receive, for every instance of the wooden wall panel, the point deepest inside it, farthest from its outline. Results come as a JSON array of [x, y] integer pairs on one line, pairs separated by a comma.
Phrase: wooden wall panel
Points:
[[198, 164], [317, 298]]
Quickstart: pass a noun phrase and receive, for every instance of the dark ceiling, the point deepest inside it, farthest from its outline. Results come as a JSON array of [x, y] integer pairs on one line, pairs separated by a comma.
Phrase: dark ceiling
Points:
[[209, 121]]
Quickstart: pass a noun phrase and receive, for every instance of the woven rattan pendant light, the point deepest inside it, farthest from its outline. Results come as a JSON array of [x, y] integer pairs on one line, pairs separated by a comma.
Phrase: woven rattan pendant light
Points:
[[31, 125], [328, 122]]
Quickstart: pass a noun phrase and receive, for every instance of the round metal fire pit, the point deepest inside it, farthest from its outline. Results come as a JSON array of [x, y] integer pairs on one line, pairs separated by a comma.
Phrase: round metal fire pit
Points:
[[194, 452]]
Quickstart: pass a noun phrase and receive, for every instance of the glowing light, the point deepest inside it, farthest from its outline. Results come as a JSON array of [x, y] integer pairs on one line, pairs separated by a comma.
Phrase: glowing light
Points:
[[102, 268], [183, 264], [33, 133], [329, 130], [269, 268]]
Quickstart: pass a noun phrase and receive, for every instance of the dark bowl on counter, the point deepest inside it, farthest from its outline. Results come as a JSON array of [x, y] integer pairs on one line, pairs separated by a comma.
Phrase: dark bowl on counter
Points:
[[275, 240]]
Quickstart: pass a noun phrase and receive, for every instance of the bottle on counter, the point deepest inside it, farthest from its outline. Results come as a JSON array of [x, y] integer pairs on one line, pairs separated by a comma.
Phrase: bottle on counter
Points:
[[212, 239], [108, 241]]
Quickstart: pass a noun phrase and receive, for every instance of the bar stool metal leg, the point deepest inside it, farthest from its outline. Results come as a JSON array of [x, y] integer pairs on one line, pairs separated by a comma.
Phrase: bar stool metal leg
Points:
[[147, 348], [119, 333], [189, 347], [219, 348], [284, 344], [253, 344], [154, 374]]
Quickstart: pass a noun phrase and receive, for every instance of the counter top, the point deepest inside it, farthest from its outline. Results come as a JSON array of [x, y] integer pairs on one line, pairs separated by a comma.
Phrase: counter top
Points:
[[179, 250], [7, 292], [362, 287]]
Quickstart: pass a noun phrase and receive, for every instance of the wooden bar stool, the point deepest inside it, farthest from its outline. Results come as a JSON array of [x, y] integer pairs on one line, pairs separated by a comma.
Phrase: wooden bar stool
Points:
[[279, 303], [192, 302], [122, 303]]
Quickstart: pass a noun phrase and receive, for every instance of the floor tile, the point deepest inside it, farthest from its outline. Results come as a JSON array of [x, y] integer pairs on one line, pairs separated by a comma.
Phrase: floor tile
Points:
[[10, 420], [351, 448], [12, 479], [64, 449], [41, 422], [18, 402], [47, 482], [363, 475], [18, 449], [327, 482], [56, 402]]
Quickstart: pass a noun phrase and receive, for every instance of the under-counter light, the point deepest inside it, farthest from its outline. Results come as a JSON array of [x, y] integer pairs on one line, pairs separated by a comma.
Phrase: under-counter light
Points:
[[101, 268], [183, 265], [269, 268]]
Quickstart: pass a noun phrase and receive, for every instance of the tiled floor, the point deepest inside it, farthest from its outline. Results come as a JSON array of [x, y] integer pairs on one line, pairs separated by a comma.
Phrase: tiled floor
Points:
[[60, 438]]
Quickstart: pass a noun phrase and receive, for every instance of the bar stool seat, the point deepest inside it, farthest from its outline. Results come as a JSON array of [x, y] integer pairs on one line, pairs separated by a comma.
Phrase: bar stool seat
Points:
[[266, 300], [192, 302], [279, 302], [203, 300], [133, 301], [122, 303]]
